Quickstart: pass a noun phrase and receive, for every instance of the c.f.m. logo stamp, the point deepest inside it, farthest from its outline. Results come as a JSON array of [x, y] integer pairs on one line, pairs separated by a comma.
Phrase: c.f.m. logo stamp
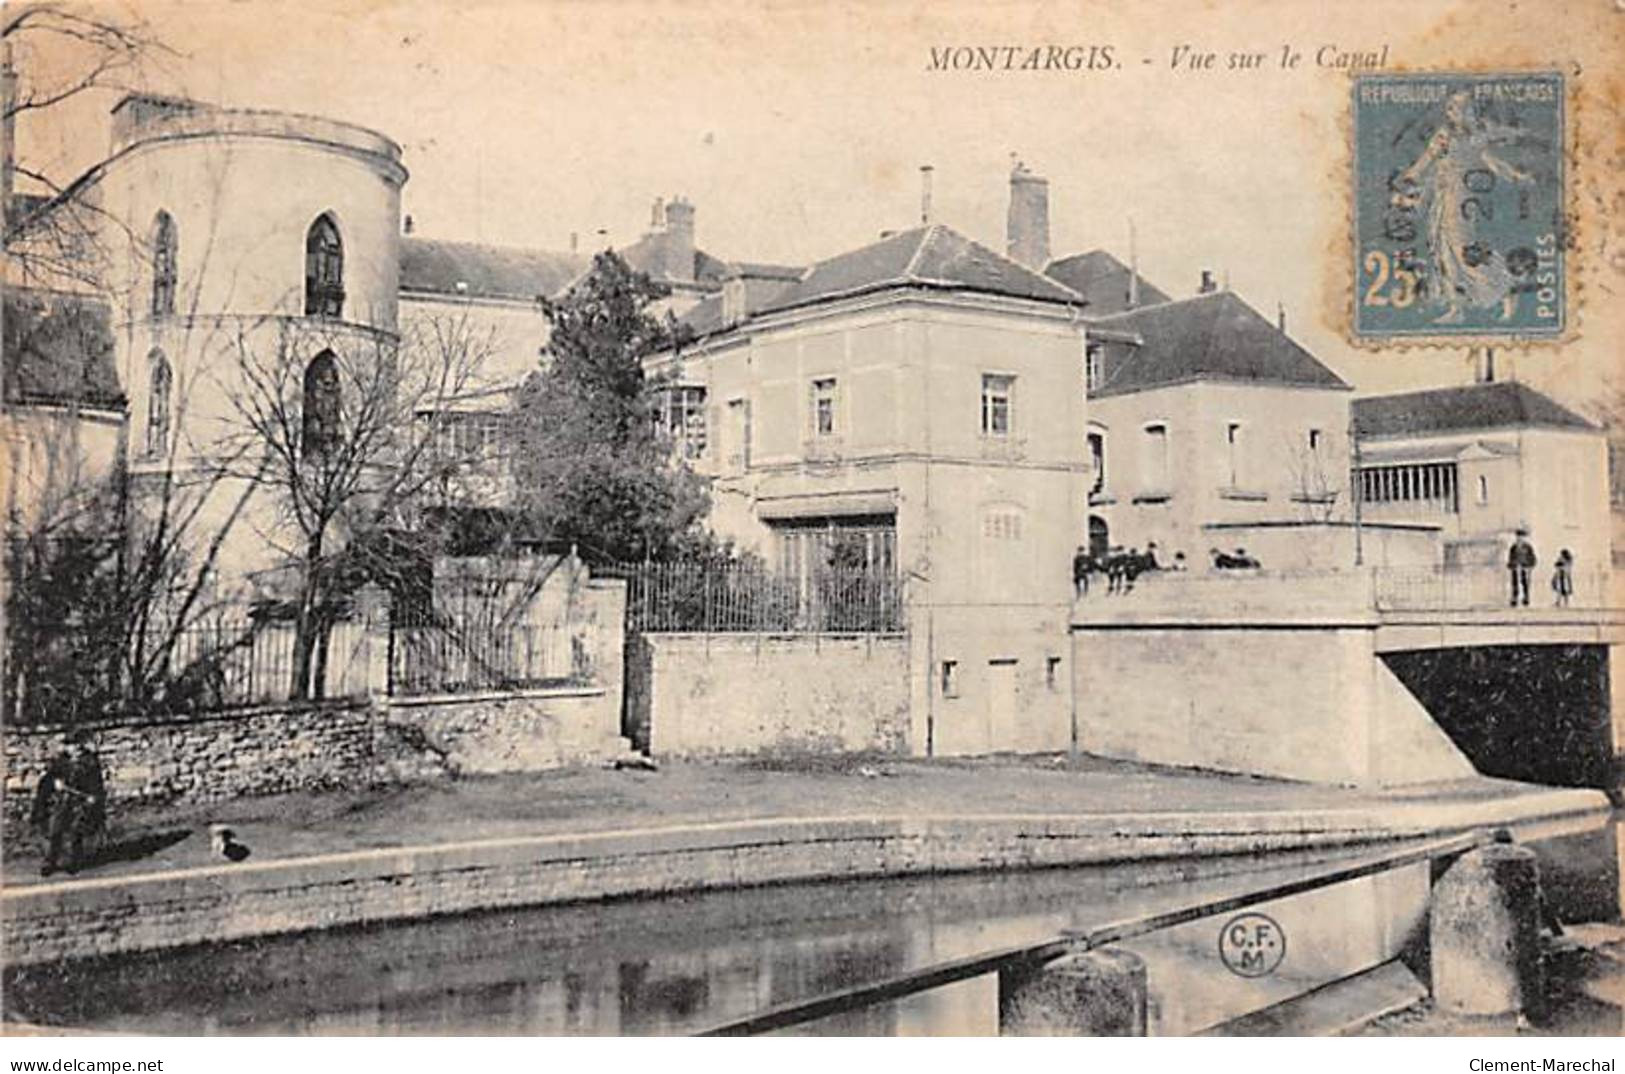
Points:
[[1252, 945]]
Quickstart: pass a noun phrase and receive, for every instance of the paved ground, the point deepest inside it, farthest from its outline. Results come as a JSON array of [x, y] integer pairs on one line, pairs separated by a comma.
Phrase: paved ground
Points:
[[1585, 996], [595, 799]]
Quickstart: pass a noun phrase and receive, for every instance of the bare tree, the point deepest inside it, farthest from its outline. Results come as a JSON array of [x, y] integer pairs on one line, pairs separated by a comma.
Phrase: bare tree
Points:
[[345, 428], [1315, 484], [52, 53]]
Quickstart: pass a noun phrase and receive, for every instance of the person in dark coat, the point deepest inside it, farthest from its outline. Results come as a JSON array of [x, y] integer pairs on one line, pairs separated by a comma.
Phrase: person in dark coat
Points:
[[1082, 564], [1520, 561], [70, 803]]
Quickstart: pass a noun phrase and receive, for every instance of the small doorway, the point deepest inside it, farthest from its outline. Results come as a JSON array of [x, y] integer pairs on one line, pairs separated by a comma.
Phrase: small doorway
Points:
[[1001, 705], [1100, 538]]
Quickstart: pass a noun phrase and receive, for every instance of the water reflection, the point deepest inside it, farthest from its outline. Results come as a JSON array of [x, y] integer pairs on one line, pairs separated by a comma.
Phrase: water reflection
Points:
[[678, 964]]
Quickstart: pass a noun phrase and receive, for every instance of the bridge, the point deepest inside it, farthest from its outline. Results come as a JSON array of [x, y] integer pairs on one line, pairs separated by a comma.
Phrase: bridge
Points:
[[1406, 608], [1377, 675]]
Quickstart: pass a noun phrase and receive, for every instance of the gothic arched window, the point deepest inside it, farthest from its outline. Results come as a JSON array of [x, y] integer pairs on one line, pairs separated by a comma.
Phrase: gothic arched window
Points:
[[321, 404], [163, 265], [324, 269], [160, 384]]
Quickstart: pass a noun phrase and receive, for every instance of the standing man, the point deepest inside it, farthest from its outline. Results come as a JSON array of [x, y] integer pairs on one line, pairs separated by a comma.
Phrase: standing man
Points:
[[1082, 564], [71, 802], [1520, 562]]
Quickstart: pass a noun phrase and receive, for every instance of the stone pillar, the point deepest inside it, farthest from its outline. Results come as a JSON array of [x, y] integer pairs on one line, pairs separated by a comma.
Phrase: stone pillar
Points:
[[1484, 926], [1093, 994]]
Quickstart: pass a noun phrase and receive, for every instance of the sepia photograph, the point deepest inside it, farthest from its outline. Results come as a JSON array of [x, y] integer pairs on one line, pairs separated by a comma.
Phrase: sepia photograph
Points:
[[540, 518]]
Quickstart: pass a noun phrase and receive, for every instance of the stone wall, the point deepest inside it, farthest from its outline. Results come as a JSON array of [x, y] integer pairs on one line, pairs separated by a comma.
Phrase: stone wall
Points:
[[43, 924], [1306, 700], [264, 751], [520, 732], [695, 695], [277, 749]]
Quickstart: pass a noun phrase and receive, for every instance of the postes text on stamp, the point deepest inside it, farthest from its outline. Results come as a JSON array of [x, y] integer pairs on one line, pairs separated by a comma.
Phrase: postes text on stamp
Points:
[[1459, 206]]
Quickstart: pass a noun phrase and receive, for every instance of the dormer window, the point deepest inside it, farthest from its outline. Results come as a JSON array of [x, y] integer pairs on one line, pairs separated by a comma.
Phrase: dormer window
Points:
[[163, 265], [324, 269]]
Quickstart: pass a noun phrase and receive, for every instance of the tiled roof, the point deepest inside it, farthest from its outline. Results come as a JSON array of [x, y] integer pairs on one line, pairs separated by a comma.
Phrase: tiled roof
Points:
[[1103, 281], [704, 318], [58, 348], [931, 257], [1210, 337], [651, 253], [1495, 405], [437, 266]]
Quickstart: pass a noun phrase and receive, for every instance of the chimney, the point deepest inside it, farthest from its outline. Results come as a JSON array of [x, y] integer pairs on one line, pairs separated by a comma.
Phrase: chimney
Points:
[[733, 299], [1280, 317], [1207, 286], [680, 239], [575, 242], [1027, 227], [408, 225], [657, 215], [925, 193]]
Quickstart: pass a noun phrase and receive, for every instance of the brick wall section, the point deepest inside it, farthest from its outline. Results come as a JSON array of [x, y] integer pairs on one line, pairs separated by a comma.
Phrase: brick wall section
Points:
[[115, 915], [697, 695]]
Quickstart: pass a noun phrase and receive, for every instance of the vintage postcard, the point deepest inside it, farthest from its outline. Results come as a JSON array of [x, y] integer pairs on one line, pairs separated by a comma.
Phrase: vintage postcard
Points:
[[546, 518]]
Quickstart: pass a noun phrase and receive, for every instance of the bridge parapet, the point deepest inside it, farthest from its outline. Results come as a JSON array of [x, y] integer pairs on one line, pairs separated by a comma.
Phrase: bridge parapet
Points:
[[1354, 596]]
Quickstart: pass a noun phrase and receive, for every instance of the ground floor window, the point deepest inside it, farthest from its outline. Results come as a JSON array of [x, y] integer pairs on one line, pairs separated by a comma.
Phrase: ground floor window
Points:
[[847, 543]]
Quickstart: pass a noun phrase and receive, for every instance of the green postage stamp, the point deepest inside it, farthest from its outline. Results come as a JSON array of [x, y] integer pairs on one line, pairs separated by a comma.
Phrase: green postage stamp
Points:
[[1459, 207]]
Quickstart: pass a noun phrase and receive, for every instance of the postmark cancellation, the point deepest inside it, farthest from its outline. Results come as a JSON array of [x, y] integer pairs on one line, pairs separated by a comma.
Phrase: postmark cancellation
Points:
[[1459, 219]]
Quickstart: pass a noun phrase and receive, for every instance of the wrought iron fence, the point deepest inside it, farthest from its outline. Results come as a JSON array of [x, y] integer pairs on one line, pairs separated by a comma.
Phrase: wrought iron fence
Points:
[[454, 657], [226, 664], [1474, 588], [742, 598]]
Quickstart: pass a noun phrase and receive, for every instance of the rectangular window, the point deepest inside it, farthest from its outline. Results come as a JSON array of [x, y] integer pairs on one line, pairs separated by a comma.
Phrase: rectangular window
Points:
[[739, 433], [998, 394], [1155, 473], [1232, 440], [1097, 458], [682, 417], [1052, 671], [950, 678], [1314, 440], [824, 402]]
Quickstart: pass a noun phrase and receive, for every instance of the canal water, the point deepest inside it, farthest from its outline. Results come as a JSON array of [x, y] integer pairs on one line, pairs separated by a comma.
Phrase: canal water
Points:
[[683, 963]]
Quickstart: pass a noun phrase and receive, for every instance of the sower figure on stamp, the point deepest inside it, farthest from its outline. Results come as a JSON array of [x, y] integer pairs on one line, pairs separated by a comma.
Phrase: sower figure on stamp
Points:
[[1520, 562], [71, 802]]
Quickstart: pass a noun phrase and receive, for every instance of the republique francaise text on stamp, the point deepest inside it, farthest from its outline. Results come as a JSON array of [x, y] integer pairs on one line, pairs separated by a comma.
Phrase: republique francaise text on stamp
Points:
[[1459, 206]]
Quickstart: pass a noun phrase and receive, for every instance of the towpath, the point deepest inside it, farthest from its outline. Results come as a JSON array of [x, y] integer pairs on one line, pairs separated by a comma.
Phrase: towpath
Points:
[[592, 800]]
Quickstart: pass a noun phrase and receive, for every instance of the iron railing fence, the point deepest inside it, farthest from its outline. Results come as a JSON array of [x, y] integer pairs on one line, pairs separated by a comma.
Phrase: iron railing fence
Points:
[[215, 665], [743, 598], [455, 657], [1485, 588]]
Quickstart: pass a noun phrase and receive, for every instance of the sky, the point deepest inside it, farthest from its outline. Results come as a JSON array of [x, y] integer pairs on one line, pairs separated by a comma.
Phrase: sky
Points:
[[798, 129]]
